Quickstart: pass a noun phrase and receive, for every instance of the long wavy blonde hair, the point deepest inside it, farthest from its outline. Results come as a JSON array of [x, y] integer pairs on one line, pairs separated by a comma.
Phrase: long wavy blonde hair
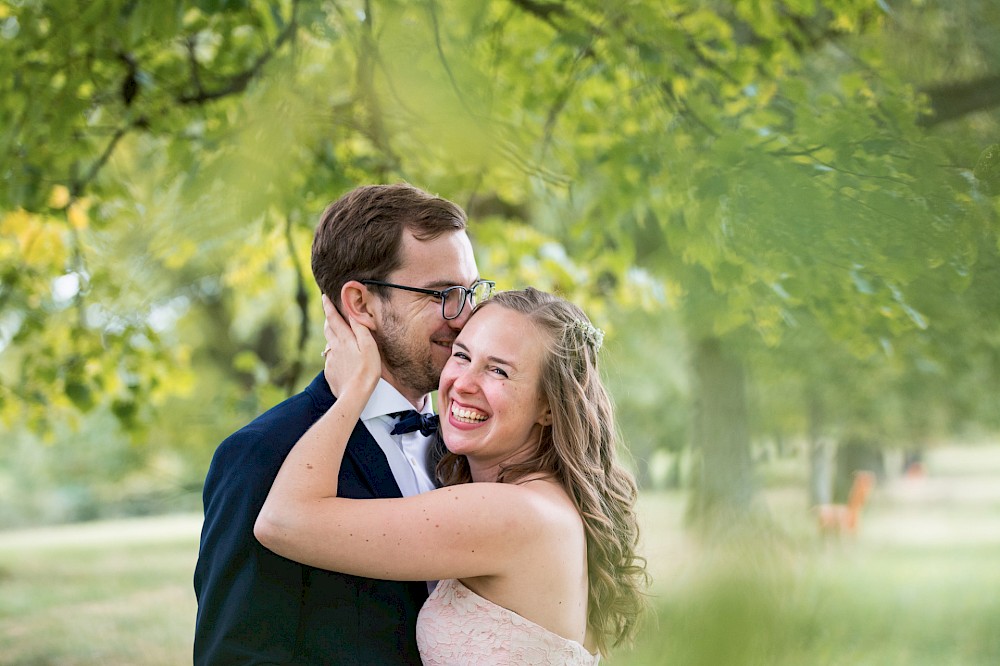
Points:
[[579, 450]]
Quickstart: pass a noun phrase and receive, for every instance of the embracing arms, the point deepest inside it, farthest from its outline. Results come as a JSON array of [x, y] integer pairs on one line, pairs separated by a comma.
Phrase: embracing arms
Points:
[[457, 532]]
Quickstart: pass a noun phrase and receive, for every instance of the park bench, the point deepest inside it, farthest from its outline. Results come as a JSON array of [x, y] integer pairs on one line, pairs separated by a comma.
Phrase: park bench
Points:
[[838, 519]]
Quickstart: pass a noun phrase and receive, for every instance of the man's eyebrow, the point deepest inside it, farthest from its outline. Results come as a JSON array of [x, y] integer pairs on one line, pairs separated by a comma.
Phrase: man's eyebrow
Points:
[[444, 284]]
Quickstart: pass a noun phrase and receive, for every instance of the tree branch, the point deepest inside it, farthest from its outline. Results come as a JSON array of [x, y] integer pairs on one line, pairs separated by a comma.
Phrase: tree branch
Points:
[[238, 82], [302, 301], [368, 58], [951, 101], [78, 186], [559, 103], [431, 5], [543, 10], [548, 11]]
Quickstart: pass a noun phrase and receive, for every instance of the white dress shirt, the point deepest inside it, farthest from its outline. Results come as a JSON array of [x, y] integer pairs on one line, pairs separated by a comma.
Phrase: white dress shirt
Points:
[[406, 453]]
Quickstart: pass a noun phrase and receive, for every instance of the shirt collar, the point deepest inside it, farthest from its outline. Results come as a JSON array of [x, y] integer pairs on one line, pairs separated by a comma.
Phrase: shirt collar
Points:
[[387, 400]]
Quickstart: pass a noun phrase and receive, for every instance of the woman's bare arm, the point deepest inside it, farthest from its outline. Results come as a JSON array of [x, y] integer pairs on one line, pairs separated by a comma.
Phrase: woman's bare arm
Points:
[[457, 532], [476, 529]]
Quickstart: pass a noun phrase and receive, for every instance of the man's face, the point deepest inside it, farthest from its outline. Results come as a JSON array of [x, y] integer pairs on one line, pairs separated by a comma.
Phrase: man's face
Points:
[[413, 337]]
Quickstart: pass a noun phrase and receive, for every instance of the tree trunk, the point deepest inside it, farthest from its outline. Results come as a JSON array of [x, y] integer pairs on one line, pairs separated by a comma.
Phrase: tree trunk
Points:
[[820, 457], [723, 487], [855, 454]]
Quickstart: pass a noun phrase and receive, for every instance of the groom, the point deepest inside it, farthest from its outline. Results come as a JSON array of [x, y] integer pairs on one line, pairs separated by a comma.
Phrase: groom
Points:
[[404, 256]]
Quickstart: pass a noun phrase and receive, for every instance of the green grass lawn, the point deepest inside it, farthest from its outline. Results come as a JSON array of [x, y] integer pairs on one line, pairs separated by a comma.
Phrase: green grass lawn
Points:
[[918, 586], [100, 593]]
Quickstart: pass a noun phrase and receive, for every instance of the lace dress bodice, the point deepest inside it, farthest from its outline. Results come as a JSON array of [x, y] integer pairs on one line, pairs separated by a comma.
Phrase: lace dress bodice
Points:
[[456, 626]]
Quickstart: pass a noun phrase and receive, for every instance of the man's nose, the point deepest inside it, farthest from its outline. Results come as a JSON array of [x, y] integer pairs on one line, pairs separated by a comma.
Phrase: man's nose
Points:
[[458, 323]]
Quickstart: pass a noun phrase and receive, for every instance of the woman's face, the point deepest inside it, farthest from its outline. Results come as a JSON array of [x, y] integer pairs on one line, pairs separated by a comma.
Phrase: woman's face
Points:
[[492, 407]]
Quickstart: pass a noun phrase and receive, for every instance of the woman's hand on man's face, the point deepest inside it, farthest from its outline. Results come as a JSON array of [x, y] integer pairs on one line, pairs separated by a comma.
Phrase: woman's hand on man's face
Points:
[[352, 357]]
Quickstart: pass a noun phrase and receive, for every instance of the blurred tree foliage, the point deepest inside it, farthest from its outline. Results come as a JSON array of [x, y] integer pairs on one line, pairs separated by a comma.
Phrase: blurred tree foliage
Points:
[[780, 195]]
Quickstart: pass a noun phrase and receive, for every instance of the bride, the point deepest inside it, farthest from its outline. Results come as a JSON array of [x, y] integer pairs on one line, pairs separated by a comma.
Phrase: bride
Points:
[[532, 535]]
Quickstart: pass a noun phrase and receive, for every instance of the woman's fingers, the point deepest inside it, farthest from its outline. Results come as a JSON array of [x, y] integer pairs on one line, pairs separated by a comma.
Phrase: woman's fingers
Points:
[[355, 359], [334, 328], [365, 340]]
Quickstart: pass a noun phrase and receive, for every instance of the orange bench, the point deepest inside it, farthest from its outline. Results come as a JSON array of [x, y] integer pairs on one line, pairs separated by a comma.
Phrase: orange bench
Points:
[[843, 518]]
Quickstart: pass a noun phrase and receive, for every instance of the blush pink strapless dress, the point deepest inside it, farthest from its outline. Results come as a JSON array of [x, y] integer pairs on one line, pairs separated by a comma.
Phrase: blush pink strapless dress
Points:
[[457, 627]]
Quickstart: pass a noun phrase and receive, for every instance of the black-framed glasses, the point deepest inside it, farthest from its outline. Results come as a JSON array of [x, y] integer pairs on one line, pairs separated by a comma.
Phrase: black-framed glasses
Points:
[[453, 299]]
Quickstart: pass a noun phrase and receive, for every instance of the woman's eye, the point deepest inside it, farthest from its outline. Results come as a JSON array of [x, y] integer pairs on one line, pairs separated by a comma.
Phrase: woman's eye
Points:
[[500, 372], [461, 355]]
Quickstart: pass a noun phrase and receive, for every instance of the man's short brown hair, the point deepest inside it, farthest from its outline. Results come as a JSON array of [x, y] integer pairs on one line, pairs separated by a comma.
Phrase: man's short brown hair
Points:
[[360, 234]]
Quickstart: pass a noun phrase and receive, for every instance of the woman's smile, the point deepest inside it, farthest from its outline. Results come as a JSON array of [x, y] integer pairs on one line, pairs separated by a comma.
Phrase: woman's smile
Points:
[[467, 415]]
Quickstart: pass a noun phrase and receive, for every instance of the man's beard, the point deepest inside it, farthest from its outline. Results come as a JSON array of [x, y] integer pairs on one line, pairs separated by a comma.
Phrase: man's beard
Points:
[[409, 361]]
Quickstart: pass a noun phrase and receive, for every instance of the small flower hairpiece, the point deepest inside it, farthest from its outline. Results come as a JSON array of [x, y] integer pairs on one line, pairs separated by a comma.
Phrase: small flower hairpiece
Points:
[[593, 335]]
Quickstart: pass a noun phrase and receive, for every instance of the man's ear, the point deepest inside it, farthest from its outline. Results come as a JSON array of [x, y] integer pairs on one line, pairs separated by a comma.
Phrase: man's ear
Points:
[[359, 304]]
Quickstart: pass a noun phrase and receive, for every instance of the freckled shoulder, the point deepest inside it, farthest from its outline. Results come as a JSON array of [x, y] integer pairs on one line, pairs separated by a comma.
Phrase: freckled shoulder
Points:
[[550, 505], [517, 508]]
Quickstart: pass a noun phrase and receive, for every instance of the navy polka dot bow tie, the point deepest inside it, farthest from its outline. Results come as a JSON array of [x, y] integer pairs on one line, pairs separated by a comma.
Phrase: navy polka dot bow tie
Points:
[[412, 420]]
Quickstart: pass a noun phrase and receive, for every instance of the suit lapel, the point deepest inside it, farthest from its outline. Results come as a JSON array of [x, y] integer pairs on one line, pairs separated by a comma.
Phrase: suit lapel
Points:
[[370, 464], [365, 466]]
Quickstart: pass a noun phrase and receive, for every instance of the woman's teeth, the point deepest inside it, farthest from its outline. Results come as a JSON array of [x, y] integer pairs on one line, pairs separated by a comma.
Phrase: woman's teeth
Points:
[[467, 415]]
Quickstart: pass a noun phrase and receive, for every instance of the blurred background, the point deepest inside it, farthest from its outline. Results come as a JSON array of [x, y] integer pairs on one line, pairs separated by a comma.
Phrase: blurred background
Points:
[[784, 213]]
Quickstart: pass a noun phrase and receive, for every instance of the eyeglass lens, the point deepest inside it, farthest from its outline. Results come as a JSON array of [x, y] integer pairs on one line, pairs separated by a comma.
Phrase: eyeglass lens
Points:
[[455, 297]]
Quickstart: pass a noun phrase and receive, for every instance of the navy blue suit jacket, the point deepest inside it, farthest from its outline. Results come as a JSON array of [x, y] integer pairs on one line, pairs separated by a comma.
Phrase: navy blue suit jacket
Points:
[[255, 607]]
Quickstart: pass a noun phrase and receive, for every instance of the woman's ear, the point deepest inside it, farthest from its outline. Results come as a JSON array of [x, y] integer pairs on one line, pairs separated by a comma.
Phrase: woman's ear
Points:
[[545, 418], [359, 304]]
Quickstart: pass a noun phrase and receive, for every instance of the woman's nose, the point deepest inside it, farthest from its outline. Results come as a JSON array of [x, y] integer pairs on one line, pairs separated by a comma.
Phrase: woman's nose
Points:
[[465, 381]]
